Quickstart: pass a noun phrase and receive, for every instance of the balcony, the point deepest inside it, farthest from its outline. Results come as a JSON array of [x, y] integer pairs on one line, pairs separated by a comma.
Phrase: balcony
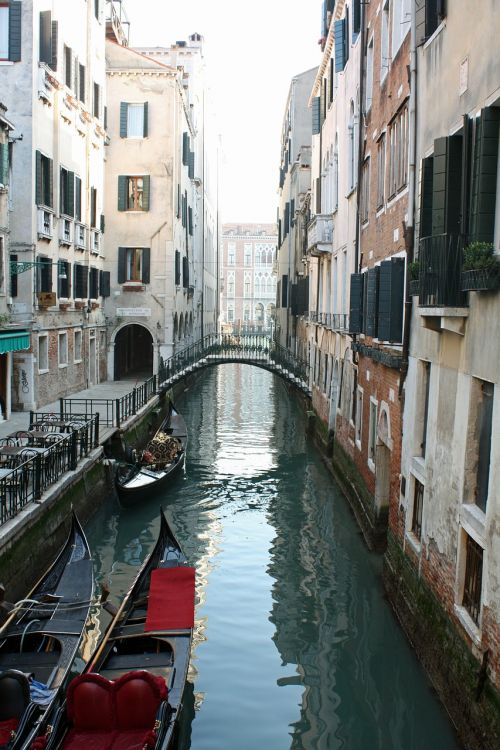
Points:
[[117, 23], [331, 321], [320, 235], [65, 231], [442, 303], [45, 224]]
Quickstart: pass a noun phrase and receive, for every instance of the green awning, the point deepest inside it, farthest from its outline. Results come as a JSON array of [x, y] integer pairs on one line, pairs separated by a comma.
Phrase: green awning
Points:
[[13, 341]]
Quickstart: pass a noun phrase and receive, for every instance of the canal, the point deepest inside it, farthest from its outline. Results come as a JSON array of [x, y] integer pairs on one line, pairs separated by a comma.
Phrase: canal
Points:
[[295, 646]]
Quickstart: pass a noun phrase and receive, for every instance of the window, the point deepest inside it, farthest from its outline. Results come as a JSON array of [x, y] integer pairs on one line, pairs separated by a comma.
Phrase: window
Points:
[[372, 437], [473, 578], [80, 281], [247, 287], [248, 255], [246, 314], [381, 172], [231, 252], [44, 274], [359, 416], [365, 191], [10, 31], [230, 314], [384, 42], [133, 120], [93, 283], [426, 383], [398, 166], [93, 207], [401, 18], [104, 283], [62, 349], [418, 504], [4, 32], [78, 347], [44, 180], [96, 105], [369, 76], [81, 83], [43, 353], [230, 284], [67, 193], [48, 40], [133, 193], [429, 14], [479, 435], [78, 199], [133, 264], [68, 69], [63, 279]]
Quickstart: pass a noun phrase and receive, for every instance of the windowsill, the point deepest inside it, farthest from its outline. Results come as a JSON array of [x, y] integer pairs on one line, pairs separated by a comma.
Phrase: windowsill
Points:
[[414, 542], [61, 367], [135, 211], [6, 62], [371, 465], [380, 211], [474, 519], [351, 191], [42, 372], [468, 624], [45, 208], [436, 33], [397, 196], [77, 361], [358, 444]]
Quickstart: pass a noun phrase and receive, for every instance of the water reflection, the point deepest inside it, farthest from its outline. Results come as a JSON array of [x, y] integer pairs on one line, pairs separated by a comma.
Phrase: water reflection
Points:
[[294, 645]]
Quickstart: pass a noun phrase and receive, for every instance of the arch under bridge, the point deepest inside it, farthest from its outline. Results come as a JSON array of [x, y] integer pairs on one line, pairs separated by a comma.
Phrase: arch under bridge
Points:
[[252, 349]]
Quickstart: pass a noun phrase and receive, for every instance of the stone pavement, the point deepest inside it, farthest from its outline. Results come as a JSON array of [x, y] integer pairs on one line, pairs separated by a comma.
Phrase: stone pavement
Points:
[[19, 420]]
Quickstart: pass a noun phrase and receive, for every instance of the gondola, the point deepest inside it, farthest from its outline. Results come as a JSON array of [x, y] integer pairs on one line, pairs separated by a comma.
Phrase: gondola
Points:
[[130, 695], [153, 468], [39, 641]]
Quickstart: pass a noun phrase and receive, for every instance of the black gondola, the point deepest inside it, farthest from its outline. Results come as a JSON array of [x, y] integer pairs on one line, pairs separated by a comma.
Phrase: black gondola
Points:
[[164, 455], [130, 694], [39, 640]]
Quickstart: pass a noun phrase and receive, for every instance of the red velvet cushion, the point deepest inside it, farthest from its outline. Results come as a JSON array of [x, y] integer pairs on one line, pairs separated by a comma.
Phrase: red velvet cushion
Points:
[[76, 740], [131, 740], [90, 703], [137, 698], [6, 727]]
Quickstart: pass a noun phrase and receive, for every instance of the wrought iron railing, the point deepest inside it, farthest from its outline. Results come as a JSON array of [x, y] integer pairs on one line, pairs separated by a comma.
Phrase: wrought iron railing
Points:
[[440, 261], [332, 321]]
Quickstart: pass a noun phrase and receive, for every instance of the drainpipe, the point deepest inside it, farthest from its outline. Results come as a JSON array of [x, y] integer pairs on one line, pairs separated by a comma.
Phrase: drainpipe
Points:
[[410, 224]]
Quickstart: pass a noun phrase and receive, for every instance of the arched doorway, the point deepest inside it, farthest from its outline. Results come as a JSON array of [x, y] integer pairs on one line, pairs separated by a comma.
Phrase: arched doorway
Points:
[[133, 352]]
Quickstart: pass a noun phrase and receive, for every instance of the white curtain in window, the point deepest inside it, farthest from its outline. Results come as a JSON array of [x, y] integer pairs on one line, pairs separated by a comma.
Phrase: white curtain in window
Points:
[[135, 120], [4, 33]]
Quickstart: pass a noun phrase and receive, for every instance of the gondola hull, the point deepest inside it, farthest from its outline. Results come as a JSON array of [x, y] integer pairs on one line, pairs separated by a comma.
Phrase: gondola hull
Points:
[[41, 639], [136, 482]]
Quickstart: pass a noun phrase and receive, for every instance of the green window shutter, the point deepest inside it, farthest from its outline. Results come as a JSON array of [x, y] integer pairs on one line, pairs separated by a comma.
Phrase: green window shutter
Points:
[[191, 165], [284, 290], [446, 185], [122, 193], [340, 52], [178, 213], [372, 289], [146, 120], [81, 84], [38, 178], [45, 43], [484, 188], [279, 232], [55, 38], [70, 194], [93, 207], [146, 192], [426, 191], [103, 224], [356, 19], [185, 272], [104, 283], [177, 268], [4, 164], [122, 265], [346, 35], [50, 196], [15, 31], [316, 115], [13, 277], [185, 148], [123, 120], [146, 262], [78, 199], [356, 303], [390, 300], [190, 220]]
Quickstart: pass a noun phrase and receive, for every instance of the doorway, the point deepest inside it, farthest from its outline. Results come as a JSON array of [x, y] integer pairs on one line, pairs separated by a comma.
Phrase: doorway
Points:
[[133, 352]]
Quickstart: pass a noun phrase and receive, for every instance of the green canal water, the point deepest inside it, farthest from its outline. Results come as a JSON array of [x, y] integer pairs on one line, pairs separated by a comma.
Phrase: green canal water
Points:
[[295, 646]]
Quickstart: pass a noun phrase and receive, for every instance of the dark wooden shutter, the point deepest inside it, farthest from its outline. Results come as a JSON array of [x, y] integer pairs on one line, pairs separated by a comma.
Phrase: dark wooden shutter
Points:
[[191, 165], [446, 185], [426, 192], [146, 192], [286, 226], [356, 19], [372, 288], [146, 263], [318, 194], [78, 198], [50, 196], [123, 119], [185, 148], [122, 265], [81, 86], [185, 272], [93, 207], [177, 268], [15, 31], [55, 41], [279, 233], [45, 42], [38, 178], [316, 115], [340, 55], [390, 300], [145, 120], [122, 193], [356, 303], [63, 285], [179, 202], [190, 220], [420, 20], [102, 224], [484, 189], [331, 79], [347, 41], [13, 277], [104, 283], [292, 212], [93, 283], [284, 290], [4, 163], [70, 194]]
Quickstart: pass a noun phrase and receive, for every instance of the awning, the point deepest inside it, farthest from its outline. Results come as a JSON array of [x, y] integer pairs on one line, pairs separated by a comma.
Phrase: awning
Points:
[[13, 341]]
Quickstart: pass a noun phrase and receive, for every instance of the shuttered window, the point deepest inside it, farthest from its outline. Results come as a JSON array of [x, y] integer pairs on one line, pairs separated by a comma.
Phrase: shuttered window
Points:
[[185, 148], [45, 43], [284, 291], [356, 303], [428, 16], [356, 19], [185, 272], [80, 281], [133, 264], [81, 83], [78, 199], [390, 300], [93, 283], [96, 102], [4, 164], [484, 188], [104, 283], [316, 115], [10, 31], [190, 220], [44, 274], [93, 207], [133, 193], [44, 180], [340, 45], [372, 289], [63, 279], [13, 277], [67, 192], [177, 268], [134, 119], [426, 191], [191, 165], [68, 69], [446, 185]]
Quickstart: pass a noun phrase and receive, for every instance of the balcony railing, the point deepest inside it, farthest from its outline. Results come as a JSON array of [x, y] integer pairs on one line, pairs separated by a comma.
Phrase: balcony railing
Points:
[[440, 260], [320, 234], [332, 321]]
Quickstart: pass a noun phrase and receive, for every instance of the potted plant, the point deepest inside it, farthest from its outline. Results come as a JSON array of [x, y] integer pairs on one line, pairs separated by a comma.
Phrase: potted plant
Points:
[[480, 267], [414, 278]]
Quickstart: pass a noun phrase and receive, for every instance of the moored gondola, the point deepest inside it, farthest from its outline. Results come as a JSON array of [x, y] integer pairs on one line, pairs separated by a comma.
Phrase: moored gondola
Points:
[[130, 694], [153, 469], [39, 640]]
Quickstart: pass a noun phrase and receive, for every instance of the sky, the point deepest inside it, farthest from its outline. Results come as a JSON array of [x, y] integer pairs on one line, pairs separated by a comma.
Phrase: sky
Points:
[[252, 51]]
